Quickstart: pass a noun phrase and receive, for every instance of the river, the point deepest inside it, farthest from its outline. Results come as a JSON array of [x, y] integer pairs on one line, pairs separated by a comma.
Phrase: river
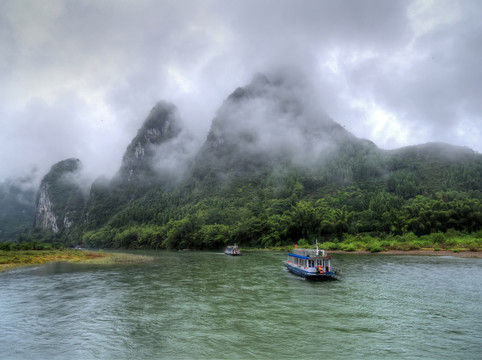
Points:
[[205, 305]]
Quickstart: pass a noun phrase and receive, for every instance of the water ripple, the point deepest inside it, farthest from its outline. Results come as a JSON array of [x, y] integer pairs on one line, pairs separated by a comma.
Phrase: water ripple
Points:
[[199, 305]]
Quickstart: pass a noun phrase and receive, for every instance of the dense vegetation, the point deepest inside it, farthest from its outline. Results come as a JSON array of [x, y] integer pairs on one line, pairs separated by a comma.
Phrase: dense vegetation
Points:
[[213, 223], [418, 201], [24, 246]]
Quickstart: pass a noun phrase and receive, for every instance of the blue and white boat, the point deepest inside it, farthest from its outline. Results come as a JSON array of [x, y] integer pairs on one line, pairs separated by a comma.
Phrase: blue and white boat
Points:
[[313, 264]]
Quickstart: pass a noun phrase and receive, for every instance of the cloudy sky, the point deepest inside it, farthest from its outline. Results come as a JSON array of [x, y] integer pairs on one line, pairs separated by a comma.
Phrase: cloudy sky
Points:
[[78, 77]]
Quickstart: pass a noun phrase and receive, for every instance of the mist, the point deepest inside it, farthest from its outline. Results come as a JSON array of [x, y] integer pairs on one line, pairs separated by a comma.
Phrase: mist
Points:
[[79, 77], [278, 115]]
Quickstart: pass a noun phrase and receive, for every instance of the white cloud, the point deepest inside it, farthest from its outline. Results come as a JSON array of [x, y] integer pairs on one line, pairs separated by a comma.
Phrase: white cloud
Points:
[[427, 15], [78, 78]]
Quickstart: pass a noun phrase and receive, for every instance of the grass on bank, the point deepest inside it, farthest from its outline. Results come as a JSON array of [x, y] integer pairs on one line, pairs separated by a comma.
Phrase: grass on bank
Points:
[[12, 259], [450, 241], [408, 242]]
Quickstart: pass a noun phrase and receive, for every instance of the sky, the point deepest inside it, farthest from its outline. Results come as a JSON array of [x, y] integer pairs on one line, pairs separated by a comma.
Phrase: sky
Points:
[[79, 77]]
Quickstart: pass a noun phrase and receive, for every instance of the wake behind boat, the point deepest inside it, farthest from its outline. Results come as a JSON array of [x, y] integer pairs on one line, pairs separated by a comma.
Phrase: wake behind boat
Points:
[[313, 264], [232, 250]]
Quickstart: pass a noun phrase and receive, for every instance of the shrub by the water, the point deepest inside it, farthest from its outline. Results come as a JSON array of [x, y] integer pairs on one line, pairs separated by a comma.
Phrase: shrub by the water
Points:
[[348, 247], [375, 247], [329, 245]]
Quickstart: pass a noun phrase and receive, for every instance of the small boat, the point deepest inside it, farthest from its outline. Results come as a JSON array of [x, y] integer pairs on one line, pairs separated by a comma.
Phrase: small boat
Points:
[[313, 264], [232, 250]]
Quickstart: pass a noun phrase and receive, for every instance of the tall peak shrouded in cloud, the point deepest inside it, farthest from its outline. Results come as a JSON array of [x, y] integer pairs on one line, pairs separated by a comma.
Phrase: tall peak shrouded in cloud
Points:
[[268, 121], [157, 157], [257, 87], [140, 160]]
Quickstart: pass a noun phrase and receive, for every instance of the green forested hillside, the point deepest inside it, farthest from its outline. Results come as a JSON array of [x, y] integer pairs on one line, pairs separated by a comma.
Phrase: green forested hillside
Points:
[[275, 171], [279, 209]]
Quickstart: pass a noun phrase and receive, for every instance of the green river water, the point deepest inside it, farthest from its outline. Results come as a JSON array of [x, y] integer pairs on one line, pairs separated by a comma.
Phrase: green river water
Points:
[[205, 305]]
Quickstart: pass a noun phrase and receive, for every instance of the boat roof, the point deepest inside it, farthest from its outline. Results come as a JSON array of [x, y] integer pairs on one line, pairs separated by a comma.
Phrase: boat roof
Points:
[[308, 253], [298, 256], [308, 256]]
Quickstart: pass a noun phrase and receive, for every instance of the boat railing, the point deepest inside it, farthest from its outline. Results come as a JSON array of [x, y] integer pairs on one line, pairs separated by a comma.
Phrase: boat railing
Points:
[[309, 252]]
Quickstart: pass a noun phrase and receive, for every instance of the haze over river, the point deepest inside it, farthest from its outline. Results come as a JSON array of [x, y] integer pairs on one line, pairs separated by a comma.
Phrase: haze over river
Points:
[[205, 305]]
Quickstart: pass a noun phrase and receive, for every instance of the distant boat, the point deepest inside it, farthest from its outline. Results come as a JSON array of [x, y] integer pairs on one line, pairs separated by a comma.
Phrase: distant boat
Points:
[[232, 250], [313, 264]]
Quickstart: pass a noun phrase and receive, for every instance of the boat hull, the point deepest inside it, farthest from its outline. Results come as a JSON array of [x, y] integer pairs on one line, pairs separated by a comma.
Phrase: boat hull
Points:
[[311, 275]]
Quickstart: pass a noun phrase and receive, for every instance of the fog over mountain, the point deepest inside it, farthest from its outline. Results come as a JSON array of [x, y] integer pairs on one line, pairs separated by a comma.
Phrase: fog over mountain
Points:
[[276, 118], [79, 78]]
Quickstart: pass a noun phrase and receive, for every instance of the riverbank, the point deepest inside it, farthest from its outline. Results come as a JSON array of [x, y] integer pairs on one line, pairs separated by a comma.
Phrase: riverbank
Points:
[[14, 259], [465, 253], [427, 252]]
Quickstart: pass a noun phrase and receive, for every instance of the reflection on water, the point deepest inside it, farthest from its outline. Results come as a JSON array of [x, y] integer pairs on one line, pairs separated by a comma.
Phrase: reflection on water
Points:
[[208, 305]]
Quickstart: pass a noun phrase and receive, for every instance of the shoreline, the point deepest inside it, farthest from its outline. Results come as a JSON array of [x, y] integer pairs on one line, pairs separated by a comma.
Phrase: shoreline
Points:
[[23, 258], [430, 252], [466, 253]]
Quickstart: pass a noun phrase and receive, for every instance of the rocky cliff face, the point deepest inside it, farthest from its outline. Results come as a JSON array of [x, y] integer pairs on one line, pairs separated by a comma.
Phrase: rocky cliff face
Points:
[[45, 217], [60, 201]]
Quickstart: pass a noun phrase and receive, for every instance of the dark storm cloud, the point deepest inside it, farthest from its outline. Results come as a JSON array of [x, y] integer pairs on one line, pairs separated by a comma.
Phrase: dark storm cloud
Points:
[[79, 77]]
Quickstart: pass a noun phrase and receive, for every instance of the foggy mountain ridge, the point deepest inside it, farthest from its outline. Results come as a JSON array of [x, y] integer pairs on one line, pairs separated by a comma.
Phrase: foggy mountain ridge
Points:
[[262, 129], [436, 151]]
